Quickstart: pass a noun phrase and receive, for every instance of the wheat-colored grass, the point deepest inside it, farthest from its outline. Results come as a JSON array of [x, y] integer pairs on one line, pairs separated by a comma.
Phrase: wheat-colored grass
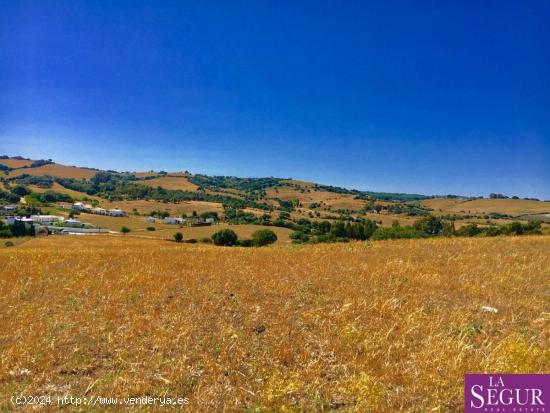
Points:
[[16, 163], [485, 206], [54, 169], [380, 327]]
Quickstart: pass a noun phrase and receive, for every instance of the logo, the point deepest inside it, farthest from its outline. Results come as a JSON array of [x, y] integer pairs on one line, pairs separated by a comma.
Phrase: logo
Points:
[[506, 393]]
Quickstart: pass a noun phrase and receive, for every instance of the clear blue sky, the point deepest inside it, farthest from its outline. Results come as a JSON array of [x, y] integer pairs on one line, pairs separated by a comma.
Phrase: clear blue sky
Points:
[[426, 96]]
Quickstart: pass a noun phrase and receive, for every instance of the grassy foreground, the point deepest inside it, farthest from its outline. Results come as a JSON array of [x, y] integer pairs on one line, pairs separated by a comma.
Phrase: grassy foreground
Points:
[[385, 326]]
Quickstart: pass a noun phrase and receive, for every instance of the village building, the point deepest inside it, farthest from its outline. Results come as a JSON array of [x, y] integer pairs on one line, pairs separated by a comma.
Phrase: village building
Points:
[[9, 220], [72, 223], [98, 211], [79, 206], [150, 219], [174, 220], [116, 212], [46, 219]]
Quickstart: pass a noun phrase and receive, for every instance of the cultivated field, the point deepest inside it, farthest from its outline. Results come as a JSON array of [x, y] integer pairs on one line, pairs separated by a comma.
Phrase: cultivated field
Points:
[[381, 327]]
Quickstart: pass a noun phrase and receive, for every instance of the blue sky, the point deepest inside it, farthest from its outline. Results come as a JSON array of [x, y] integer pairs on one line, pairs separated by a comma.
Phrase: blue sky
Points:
[[425, 97]]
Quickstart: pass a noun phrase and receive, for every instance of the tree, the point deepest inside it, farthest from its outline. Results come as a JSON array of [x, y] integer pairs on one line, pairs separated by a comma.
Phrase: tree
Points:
[[225, 237], [20, 190], [263, 237], [125, 230], [430, 225], [370, 227], [178, 237]]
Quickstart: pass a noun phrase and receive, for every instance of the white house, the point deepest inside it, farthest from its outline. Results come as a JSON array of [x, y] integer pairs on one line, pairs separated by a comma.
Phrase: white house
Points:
[[174, 220], [72, 223], [152, 220], [46, 219], [98, 211], [9, 220], [209, 221], [116, 212], [79, 206]]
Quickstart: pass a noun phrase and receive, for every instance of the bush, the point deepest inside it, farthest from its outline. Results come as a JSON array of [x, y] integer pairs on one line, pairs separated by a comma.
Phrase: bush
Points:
[[225, 237], [396, 232], [178, 237], [125, 230], [244, 243], [8, 244], [191, 241], [263, 237], [206, 240], [151, 228], [430, 225]]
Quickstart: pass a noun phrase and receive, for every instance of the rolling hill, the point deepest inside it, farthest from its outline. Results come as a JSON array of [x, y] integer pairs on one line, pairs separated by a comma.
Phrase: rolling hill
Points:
[[176, 193]]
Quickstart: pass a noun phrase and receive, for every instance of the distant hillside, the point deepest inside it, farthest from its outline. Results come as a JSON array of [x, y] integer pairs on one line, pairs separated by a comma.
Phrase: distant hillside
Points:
[[252, 197]]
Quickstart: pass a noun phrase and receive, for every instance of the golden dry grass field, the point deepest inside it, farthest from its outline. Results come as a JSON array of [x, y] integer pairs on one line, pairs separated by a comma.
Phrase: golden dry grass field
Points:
[[484, 206], [171, 182], [380, 327], [16, 163], [55, 169]]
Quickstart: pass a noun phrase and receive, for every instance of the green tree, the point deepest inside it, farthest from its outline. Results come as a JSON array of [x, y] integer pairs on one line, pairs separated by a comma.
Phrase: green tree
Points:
[[178, 237], [263, 237], [226, 237], [430, 225], [125, 230]]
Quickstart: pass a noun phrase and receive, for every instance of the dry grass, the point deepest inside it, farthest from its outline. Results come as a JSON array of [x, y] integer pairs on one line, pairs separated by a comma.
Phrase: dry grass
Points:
[[16, 163], [61, 171], [61, 189], [485, 206], [335, 201], [171, 182], [383, 327]]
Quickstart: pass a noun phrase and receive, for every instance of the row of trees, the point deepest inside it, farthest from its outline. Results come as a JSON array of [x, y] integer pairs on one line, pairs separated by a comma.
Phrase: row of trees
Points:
[[17, 229], [229, 238], [428, 226]]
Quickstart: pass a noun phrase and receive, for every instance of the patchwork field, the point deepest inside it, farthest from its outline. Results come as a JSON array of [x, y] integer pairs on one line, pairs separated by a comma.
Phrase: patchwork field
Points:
[[381, 327]]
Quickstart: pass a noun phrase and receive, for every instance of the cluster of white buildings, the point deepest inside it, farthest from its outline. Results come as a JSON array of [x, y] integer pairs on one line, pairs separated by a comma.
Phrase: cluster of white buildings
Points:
[[115, 212], [182, 221], [43, 220]]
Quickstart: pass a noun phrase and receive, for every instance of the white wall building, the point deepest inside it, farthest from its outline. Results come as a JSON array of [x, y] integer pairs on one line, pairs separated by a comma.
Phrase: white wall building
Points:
[[174, 220], [116, 212]]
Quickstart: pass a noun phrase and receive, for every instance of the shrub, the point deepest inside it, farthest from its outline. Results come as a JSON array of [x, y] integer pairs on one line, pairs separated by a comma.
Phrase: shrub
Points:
[[151, 228], [8, 244], [396, 232], [430, 225], [470, 230], [245, 243], [191, 241], [263, 237], [225, 237], [299, 237], [178, 237], [125, 230], [206, 240]]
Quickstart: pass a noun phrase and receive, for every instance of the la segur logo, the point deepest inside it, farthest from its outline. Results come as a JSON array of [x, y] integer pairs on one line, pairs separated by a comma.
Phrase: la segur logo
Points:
[[506, 393]]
